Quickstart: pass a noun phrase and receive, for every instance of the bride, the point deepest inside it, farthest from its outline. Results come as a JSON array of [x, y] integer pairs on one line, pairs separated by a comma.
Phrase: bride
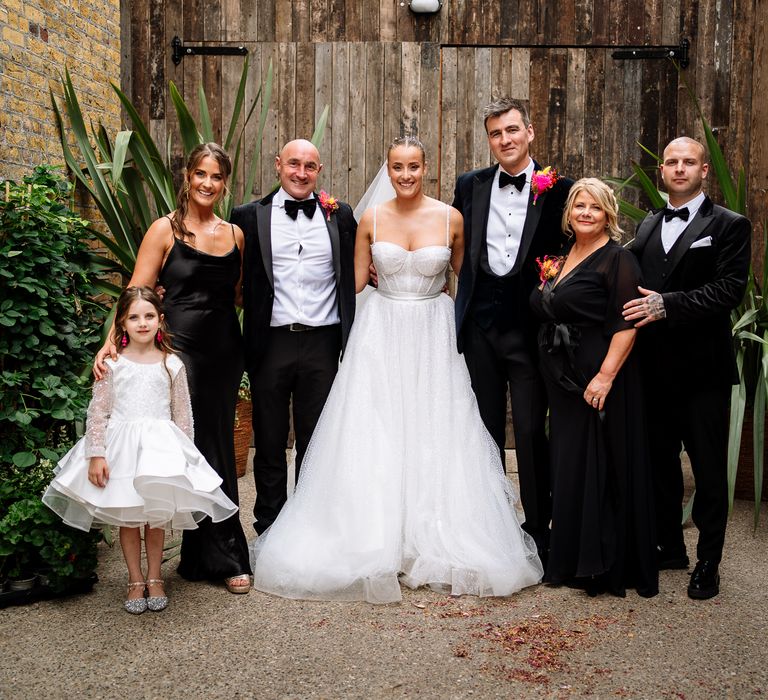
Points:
[[401, 482]]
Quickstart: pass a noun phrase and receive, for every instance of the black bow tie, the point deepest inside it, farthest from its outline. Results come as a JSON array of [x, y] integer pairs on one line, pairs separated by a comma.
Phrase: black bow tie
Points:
[[293, 206], [670, 214], [516, 180]]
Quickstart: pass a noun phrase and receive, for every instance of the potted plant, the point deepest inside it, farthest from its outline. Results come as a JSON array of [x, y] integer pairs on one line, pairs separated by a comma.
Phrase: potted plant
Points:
[[243, 428]]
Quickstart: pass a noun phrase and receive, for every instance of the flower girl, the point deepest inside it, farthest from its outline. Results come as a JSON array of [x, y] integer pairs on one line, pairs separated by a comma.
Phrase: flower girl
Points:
[[137, 465]]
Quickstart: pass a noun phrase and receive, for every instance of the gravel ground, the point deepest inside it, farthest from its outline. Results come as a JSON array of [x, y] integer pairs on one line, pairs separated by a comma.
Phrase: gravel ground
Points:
[[542, 643]]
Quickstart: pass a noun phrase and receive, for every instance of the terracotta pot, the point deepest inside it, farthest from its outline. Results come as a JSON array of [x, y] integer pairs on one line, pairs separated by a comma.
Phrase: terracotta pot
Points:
[[243, 433]]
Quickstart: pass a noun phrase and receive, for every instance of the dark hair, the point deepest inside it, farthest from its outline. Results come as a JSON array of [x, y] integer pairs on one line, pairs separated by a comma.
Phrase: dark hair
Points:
[[502, 105], [123, 306], [212, 150], [408, 141]]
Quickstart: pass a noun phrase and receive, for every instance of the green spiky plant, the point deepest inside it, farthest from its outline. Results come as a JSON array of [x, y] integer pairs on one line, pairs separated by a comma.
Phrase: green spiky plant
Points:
[[749, 319]]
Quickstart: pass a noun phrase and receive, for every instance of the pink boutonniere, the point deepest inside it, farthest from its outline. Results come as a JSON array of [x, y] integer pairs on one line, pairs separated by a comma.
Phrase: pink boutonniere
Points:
[[543, 180], [549, 266], [329, 204]]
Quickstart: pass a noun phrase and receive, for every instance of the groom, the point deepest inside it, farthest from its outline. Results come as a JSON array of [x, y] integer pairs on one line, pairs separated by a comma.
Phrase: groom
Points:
[[299, 303], [504, 232]]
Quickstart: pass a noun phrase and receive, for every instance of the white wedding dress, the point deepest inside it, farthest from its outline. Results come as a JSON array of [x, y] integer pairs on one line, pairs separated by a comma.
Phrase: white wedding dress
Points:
[[401, 481]]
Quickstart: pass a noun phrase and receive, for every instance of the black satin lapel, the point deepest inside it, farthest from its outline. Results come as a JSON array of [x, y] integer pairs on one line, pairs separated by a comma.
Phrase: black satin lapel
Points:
[[647, 225], [691, 233], [264, 228], [532, 217], [333, 232], [481, 204]]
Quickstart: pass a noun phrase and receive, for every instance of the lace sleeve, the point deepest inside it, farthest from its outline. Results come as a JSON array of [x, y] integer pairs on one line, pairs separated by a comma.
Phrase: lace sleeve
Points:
[[181, 408], [97, 417]]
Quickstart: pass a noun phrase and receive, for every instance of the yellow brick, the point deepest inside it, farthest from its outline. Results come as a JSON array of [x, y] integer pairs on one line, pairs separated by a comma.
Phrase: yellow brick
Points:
[[13, 36], [13, 6], [34, 15]]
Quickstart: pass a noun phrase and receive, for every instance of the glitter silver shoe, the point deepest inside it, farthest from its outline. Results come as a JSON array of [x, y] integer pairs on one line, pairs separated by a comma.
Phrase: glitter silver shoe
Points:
[[156, 603], [136, 606]]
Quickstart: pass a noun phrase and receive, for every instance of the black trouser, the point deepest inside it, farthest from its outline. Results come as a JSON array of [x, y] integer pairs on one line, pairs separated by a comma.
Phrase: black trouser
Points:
[[496, 360], [686, 414], [298, 366]]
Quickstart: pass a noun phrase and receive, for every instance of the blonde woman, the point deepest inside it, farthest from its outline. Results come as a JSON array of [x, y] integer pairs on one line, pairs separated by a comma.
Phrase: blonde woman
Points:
[[602, 510]]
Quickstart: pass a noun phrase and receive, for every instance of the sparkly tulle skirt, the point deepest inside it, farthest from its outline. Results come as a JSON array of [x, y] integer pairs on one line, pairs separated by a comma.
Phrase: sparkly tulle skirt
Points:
[[156, 476], [401, 482]]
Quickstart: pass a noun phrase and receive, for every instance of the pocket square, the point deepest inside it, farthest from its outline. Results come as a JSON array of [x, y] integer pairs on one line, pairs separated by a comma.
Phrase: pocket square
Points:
[[702, 242]]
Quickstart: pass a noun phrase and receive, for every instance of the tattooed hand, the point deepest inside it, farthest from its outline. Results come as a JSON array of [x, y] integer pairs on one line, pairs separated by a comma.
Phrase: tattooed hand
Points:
[[645, 309]]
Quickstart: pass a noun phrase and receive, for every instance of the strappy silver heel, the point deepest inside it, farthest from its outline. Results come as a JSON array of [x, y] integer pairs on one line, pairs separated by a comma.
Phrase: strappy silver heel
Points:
[[156, 603], [136, 606]]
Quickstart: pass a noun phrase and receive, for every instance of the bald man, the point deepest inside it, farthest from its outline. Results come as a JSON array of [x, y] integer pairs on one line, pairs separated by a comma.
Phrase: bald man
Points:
[[694, 257], [299, 303]]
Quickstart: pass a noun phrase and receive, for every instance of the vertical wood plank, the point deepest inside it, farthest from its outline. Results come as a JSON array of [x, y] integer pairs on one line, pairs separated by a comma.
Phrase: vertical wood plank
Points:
[[409, 101], [741, 99], [375, 84], [562, 27], [357, 123], [230, 79], [140, 48], [388, 20], [538, 102], [174, 26], [573, 158], [266, 25], [370, 20], [353, 20], [558, 77], [301, 20], [391, 91], [448, 122], [405, 30], [671, 26], [212, 69], [491, 22], [508, 21], [232, 23], [305, 90], [288, 98], [594, 92], [156, 59], [481, 79], [194, 32], [429, 114], [323, 97], [337, 21], [318, 20], [283, 20], [270, 145], [584, 12], [466, 117], [612, 128], [758, 138], [339, 161], [722, 51]]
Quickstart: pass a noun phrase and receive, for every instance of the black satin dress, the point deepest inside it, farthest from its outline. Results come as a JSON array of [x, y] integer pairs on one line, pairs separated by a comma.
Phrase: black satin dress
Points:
[[602, 534], [199, 308]]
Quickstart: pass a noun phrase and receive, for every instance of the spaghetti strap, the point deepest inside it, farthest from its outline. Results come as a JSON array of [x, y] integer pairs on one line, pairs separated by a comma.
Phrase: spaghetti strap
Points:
[[374, 222], [447, 226], [234, 240]]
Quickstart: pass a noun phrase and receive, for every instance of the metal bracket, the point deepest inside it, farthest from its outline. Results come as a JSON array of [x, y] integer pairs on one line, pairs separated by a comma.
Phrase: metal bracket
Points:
[[679, 53], [180, 50]]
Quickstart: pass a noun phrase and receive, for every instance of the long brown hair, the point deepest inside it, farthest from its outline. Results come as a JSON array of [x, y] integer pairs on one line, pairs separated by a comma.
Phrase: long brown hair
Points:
[[212, 150], [123, 306]]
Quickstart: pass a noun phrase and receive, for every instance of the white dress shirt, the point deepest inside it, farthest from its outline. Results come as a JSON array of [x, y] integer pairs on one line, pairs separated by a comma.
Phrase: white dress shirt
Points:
[[506, 219], [302, 267], [672, 229]]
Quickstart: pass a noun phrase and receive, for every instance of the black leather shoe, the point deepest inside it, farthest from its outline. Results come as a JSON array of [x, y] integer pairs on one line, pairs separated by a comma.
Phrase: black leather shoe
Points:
[[705, 580], [671, 559]]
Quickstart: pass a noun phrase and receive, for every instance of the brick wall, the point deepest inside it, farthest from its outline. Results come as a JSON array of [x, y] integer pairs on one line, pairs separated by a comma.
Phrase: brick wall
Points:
[[38, 39]]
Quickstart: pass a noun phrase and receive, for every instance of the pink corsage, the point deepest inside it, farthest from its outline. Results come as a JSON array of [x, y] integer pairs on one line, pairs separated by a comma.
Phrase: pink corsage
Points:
[[549, 266], [543, 180], [328, 203]]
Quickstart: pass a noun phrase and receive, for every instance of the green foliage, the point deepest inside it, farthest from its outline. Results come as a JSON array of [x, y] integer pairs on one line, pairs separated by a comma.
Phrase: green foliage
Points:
[[48, 319]]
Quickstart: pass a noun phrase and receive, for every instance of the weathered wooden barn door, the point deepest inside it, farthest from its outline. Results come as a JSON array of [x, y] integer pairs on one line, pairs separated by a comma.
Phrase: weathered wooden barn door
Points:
[[588, 110]]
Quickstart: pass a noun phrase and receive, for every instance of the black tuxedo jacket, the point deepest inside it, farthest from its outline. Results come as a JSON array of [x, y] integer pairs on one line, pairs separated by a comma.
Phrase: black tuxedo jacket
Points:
[[542, 235], [258, 281], [703, 283]]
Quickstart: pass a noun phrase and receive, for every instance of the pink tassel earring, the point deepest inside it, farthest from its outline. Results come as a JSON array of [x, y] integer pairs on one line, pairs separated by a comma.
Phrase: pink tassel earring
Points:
[[124, 341], [159, 336]]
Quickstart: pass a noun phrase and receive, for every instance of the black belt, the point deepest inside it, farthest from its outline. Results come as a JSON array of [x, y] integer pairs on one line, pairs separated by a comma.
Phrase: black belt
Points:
[[298, 327]]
